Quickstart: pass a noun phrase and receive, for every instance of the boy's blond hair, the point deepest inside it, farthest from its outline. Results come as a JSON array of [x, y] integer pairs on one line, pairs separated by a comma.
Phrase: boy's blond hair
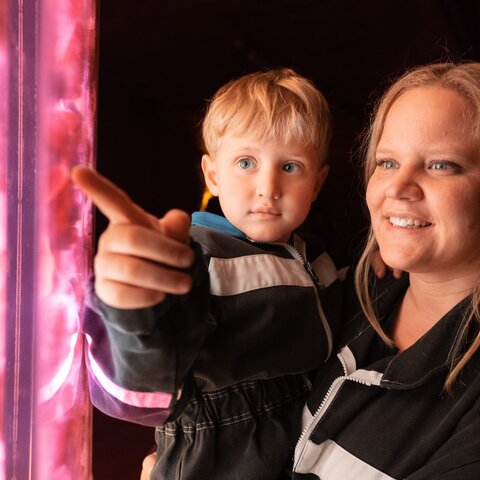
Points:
[[272, 105]]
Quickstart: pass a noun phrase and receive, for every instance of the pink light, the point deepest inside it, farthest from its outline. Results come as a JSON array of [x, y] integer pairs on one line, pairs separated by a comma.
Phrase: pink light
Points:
[[47, 102], [3, 210], [66, 133]]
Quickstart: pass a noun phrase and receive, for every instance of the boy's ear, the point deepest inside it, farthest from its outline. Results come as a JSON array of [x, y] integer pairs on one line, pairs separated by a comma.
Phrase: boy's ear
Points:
[[210, 174], [321, 177]]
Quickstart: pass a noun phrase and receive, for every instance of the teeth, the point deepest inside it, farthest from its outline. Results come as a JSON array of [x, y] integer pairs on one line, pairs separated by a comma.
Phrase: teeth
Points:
[[408, 222]]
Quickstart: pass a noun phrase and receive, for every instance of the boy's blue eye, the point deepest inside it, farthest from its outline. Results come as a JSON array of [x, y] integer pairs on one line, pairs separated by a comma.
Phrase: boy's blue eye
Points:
[[289, 167], [245, 163]]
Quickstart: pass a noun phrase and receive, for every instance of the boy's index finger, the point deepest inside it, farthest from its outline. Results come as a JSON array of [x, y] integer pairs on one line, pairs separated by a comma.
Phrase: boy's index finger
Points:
[[112, 201]]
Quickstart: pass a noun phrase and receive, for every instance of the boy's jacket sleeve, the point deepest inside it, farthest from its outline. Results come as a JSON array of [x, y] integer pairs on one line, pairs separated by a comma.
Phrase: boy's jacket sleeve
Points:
[[140, 361]]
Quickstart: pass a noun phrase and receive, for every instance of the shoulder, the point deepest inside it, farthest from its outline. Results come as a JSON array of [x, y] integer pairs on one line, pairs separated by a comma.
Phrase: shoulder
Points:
[[314, 244], [385, 294], [220, 244]]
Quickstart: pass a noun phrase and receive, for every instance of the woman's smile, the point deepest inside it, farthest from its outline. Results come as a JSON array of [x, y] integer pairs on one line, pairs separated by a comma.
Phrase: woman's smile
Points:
[[405, 222]]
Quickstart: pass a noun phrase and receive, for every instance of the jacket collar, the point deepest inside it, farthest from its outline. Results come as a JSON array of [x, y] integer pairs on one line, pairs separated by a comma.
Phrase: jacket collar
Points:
[[216, 222], [432, 353], [221, 224]]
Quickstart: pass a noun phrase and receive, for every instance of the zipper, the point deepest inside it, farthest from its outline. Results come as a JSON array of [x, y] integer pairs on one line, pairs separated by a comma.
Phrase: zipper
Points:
[[328, 399], [316, 284], [308, 267], [305, 435], [300, 446]]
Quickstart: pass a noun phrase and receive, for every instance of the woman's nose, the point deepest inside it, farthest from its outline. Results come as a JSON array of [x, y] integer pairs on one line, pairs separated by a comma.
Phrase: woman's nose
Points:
[[404, 186]]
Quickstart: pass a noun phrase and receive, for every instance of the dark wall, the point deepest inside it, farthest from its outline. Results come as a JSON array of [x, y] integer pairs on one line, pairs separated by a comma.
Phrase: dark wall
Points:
[[161, 59]]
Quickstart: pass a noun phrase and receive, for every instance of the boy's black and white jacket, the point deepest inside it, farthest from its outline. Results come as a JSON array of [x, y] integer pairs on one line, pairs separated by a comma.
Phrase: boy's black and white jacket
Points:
[[223, 371], [376, 414]]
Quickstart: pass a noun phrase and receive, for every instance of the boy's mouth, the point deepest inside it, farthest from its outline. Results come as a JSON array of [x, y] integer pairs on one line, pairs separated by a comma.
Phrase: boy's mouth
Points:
[[265, 211]]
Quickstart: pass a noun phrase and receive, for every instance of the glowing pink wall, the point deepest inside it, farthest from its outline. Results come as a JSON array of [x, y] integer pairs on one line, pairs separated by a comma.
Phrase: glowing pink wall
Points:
[[46, 127], [3, 211]]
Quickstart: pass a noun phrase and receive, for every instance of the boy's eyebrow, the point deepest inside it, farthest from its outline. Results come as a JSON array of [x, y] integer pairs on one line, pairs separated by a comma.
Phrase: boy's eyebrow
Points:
[[249, 150], [246, 149], [295, 154]]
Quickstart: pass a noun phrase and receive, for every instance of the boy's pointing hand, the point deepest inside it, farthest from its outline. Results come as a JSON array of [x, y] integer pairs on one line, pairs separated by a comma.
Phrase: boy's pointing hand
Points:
[[138, 255]]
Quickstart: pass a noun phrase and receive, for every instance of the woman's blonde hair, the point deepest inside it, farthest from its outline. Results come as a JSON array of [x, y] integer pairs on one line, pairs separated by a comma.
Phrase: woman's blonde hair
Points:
[[272, 105], [465, 80]]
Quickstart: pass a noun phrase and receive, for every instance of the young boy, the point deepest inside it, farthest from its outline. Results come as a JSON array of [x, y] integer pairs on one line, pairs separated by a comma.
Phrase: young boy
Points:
[[222, 369]]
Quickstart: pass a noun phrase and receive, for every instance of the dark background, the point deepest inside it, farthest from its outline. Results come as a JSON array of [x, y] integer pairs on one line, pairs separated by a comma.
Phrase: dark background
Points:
[[160, 60]]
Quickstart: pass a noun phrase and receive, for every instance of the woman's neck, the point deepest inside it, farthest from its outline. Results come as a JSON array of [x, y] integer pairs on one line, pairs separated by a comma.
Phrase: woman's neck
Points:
[[426, 301]]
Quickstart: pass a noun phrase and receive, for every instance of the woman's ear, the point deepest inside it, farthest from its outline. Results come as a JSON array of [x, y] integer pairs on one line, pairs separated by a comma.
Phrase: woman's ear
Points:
[[210, 174], [321, 177]]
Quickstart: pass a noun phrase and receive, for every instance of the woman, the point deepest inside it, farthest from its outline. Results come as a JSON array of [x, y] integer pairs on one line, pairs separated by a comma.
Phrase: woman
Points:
[[402, 399]]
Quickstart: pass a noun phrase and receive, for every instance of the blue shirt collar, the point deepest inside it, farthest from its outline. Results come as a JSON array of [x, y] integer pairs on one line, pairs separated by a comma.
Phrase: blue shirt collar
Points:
[[216, 222]]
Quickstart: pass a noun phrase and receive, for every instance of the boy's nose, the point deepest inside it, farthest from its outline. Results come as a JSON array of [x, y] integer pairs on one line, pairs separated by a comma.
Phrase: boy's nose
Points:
[[268, 187]]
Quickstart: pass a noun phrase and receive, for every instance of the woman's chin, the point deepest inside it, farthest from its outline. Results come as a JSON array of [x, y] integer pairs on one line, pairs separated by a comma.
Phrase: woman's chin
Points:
[[400, 261]]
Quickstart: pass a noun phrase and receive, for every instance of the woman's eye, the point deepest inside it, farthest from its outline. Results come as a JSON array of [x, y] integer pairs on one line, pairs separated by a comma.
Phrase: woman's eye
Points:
[[444, 166], [245, 163], [386, 164], [290, 167]]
